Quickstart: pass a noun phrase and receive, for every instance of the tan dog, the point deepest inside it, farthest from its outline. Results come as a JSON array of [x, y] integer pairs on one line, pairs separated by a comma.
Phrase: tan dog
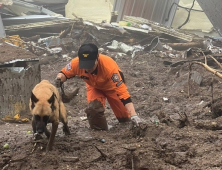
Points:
[[46, 106]]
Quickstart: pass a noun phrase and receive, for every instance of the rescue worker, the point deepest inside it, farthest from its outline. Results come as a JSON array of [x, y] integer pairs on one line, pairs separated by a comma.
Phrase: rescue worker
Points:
[[104, 80]]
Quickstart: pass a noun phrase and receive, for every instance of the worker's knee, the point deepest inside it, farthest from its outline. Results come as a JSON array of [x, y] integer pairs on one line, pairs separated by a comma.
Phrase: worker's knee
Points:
[[96, 106], [95, 115]]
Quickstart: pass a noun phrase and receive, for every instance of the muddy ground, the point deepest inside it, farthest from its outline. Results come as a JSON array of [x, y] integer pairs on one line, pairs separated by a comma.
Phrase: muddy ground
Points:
[[184, 131]]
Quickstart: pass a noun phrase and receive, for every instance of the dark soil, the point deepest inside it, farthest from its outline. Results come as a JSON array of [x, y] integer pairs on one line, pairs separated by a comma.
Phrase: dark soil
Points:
[[9, 53], [183, 133]]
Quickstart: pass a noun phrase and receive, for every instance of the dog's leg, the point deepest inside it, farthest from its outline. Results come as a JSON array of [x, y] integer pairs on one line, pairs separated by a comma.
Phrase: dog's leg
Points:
[[52, 136], [66, 128], [63, 118], [47, 133], [33, 126]]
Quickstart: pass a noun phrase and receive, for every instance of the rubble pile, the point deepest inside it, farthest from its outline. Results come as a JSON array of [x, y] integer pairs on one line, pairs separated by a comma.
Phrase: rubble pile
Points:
[[131, 36]]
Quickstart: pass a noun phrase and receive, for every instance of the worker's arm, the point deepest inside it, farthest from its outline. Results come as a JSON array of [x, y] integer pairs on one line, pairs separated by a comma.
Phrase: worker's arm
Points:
[[130, 108], [118, 82], [67, 72]]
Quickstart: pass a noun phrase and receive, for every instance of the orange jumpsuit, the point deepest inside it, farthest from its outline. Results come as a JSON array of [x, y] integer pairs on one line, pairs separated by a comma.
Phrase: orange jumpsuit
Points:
[[105, 83]]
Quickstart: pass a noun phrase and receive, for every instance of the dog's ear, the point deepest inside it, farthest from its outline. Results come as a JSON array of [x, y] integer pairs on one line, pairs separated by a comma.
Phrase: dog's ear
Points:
[[34, 100], [52, 101]]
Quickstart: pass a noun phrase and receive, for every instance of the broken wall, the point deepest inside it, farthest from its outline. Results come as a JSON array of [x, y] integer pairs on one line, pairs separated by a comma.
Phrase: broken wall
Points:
[[198, 21]]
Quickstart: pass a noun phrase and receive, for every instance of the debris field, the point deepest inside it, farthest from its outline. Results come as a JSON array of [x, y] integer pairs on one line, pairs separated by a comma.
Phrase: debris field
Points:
[[174, 79]]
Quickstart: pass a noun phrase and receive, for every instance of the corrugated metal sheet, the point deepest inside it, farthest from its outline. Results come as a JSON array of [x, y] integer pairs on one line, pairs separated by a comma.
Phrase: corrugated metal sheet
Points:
[[154, 10], [213, 11], [16, 83]]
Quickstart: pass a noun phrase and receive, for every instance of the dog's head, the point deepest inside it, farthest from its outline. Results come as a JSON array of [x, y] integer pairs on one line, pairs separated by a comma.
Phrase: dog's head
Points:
[[41, 110]]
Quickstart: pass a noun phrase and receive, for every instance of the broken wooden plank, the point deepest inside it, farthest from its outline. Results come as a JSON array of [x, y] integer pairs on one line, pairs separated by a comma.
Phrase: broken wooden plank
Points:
[[29, 26], [185, 46], [164, 30]]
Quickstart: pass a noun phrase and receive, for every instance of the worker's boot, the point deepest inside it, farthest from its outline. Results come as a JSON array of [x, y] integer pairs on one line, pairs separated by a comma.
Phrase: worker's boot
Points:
[[95, 115]]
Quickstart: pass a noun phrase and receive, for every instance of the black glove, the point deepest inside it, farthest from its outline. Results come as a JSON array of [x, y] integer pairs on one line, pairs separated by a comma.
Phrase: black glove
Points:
[[136, 120], [58, 82]]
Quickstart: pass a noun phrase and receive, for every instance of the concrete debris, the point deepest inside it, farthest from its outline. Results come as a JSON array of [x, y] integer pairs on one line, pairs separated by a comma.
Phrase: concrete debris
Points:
[[146, 27], [119, 46]]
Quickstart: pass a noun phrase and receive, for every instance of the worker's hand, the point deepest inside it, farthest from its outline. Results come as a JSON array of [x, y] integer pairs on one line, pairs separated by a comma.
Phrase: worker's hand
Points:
[[139, 126], [58, 82], [136, 120]]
